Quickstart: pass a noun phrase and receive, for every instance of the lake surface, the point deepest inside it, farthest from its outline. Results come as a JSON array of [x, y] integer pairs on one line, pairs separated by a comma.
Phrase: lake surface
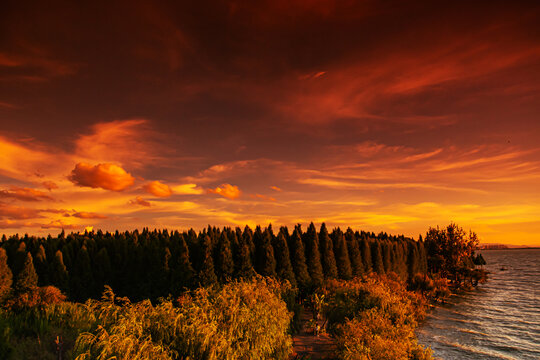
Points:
[[498, 320]]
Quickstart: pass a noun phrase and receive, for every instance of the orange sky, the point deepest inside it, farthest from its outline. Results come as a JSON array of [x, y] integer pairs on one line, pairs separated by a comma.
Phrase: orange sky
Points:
[[391, 118]]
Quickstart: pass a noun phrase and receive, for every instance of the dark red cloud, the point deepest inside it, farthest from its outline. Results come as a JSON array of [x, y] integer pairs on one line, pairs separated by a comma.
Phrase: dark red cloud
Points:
[[88, 215], [325, 100], [24, 194]]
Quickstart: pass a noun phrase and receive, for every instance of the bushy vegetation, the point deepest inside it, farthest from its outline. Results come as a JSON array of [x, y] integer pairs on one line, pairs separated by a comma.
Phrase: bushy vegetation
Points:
[[241, 320], [374, 318]]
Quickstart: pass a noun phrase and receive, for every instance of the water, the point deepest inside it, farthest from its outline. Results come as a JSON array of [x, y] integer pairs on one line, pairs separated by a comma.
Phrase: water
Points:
[[498, 320]]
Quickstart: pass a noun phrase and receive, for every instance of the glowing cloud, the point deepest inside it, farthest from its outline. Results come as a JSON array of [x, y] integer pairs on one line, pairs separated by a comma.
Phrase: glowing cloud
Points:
[[88, 215], [17, 212], [158, 189], [227, 190], [140, 201], [49, 185], [187, 189], [263, 197], [24, 194], [106, 176], [59, 224]]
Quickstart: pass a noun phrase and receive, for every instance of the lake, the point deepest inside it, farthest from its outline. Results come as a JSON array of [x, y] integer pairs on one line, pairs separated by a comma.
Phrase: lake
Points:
[[498, 320]]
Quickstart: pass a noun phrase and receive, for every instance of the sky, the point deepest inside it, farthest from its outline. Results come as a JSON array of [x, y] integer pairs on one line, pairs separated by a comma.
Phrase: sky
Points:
[[390, 116]]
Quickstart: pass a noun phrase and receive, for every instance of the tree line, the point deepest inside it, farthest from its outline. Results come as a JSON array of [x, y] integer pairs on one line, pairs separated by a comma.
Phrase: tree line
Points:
[[152, 264]]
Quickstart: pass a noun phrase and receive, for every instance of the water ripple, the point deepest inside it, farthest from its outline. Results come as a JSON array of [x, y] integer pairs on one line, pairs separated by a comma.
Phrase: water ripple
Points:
[[498, 320]]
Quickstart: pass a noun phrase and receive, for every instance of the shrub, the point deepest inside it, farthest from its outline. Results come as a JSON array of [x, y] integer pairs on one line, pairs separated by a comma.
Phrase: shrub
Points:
[[242, 320], [375, 318]]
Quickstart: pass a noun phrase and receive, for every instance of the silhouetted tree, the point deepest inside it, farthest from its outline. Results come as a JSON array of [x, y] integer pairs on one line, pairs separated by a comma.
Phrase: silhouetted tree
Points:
[[366, 255], [342, 256], [6, 277], [284, 268], [207, 275], [313, 256], [298, 259], [59, 273], [328, 258], [181, 270], [27, 278], [265, 262], [376, 257], [41, 265], [224, 263], [357, 265]]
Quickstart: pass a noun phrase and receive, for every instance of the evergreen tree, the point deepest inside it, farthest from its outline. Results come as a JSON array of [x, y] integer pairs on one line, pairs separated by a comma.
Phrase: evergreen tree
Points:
[[328, 259], [242, 259], [313, 256], [342, 256], [82, 281], [265, 262], [247, 238], [284, 268], [27, 278], [357, 266], [422, 256], [413, 261], [386, 256], [366, 255], [298, 259], [6, 277], [59, 273], [207, 275], [42, 267], [182, 272], [376, 257], [102, 269], [224, 263]]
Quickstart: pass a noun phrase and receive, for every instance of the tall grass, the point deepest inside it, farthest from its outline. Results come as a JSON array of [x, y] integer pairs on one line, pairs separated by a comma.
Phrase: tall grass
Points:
[[241, 320]]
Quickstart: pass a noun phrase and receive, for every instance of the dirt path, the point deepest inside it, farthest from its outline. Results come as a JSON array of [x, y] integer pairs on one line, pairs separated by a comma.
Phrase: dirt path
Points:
[[308, 345]]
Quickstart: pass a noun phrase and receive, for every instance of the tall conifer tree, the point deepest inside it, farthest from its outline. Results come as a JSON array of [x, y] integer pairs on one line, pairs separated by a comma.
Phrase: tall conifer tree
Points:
[[224, 264], [342, 256], [207, 275], [27, 278], [59, 273], [366, 255], [298, 259], [42, 267], [182, 270], [328, 258], [6, 277], [313, 256], [284, 269], [265, 261], [357, 266], [376, 257], [243, 267]]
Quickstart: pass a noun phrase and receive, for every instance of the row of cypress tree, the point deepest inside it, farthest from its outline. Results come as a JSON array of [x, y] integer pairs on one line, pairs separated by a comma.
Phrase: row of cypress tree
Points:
[[152, 264]]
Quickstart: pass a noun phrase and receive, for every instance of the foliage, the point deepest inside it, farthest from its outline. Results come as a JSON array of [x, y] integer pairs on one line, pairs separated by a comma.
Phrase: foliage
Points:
[[374, 318], [450, 250], [242, 320], [6, 276], [30, 333], [373, 336]]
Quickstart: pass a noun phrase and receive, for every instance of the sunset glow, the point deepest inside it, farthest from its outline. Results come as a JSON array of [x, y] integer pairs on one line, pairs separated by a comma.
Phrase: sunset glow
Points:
[[382, 118]]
